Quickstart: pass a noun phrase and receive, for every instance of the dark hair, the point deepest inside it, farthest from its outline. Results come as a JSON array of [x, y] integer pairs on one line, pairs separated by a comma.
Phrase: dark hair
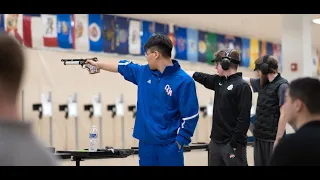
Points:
[[12, 60], [308, 91], [234, 54], [272, 61], [161, 43]]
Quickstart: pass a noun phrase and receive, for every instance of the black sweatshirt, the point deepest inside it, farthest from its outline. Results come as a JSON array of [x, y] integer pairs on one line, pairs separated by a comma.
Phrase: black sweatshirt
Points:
[[232, 106]]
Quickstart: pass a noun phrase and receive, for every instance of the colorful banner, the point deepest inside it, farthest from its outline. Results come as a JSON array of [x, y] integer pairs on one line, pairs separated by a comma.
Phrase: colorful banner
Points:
[[211, 47], [122, 35], [151, 28], [95, 32], [220, 42], [65, 31], [269, 48], [134, 37], [109, 33], [192, 49], [277, 55], [245, 52], [202, 46], [181, 42], [50, 35], [81, 27], [254, 52], [14, 26], [262, 48], [1, 22]]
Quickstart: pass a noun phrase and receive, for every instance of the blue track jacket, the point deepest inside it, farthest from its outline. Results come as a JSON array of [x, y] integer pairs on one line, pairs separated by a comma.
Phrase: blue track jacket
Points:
[[167, 104]]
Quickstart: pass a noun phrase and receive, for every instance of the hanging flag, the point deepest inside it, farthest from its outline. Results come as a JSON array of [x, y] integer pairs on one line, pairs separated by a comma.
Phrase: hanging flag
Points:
[[32, 31], [262, 48], [109, 33], [173, 40], [1, 22], [245, 52], [269, 48], [81, 27], [254, 52], [122, 35], [238, 46], [95, 32], [211, 47], [134, 37], [192, 49], [202, 46], [14, 26], [181, 42], [65, 31], [221, 45], [277, 55], [50, 36]]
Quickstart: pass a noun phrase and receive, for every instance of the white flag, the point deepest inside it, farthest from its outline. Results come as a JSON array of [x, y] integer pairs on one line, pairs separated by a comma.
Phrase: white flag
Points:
[[134, 37], [81, 25]]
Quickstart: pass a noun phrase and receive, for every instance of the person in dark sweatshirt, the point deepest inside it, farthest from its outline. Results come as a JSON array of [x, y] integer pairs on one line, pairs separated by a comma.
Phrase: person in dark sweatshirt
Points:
[[18, 145], [302, 111], [231, 113]]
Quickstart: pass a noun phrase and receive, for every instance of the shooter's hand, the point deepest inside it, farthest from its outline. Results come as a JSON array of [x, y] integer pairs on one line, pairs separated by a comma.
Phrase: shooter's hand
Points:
[[92, 62], [92, 66]]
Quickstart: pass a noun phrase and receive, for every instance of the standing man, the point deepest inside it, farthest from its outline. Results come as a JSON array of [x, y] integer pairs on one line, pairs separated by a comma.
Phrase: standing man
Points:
[[271, 88], [167, 107], [19, 146], [301, 110], [231, 113]]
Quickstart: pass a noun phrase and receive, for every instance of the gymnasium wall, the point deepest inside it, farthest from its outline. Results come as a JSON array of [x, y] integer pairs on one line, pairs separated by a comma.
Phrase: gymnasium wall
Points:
[[45, 72]]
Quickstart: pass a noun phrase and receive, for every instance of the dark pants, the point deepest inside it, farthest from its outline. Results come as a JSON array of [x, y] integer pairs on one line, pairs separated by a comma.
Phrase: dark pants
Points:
[[160, 155], [262, 152], [225, 155]]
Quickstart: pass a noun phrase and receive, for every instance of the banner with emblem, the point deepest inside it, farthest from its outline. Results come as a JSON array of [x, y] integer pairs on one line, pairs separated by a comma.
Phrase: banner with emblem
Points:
[[262, 48], [192, 49], [181, 42], [245, 52], [32, 31], [254, 52], [211, 47], [109, 33], [269, 48], [134, 37], [81, 22], [65, 31], [95, 32], [220, 42], [202, 46], [233, 42], [122, 35], [14, 26], [1, 22], [50, 35], [277, 55], [151, 28]]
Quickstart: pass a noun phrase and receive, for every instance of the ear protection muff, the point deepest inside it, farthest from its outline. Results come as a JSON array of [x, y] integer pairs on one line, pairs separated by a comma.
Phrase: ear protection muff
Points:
[[264, 67], [225, 61]]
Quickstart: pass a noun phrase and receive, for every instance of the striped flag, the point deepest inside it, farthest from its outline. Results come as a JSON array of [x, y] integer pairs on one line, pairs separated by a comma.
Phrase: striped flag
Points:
[[81, 32], [32, 31], [14, 26]]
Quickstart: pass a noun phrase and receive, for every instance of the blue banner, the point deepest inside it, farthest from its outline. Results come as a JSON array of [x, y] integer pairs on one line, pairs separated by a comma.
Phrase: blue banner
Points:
[[269, 48], [181, 42], [109, 33], [220, 42], [65, 31], [245, 52], [192, 49], [95, 32], [202, 46], [1, 22], [122, 35], [150, 28]]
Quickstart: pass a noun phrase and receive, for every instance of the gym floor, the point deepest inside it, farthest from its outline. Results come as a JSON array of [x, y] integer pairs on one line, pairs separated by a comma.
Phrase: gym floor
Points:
[[193, 158]]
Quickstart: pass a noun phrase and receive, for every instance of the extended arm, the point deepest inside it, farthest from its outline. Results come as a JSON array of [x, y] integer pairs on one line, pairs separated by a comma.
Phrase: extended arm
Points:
[[111, 67], [244, 107], [189, 110], [207, 80]]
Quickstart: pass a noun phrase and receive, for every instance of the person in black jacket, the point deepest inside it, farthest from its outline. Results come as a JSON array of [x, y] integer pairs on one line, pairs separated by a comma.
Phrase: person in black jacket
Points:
[[302, 111], [271, 88], [231, 113]]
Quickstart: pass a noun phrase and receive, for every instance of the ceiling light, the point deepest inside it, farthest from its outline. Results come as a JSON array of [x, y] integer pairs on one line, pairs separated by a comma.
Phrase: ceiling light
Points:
[[316, 21]]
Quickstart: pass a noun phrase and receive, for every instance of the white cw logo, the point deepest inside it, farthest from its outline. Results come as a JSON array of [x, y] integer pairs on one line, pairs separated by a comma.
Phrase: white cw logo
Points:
[[168, 90]]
